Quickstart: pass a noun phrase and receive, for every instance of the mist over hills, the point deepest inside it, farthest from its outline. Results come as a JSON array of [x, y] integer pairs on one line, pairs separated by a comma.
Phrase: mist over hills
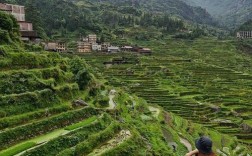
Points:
[[230, 13]]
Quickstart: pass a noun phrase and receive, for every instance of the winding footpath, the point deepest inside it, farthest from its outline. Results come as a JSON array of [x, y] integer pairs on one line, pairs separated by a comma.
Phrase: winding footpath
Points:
[[186, 143], [112, 104]]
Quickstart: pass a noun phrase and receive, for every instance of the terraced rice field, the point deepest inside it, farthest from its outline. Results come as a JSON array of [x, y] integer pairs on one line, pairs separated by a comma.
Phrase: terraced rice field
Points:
[[44, 111], [208, 82], [38, 117]]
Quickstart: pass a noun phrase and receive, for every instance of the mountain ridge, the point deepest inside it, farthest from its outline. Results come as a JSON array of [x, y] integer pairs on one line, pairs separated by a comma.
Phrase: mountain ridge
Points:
[[173, 7], [230, 13]]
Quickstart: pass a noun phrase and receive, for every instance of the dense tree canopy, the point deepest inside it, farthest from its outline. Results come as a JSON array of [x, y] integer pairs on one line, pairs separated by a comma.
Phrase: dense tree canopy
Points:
[[61, 19]]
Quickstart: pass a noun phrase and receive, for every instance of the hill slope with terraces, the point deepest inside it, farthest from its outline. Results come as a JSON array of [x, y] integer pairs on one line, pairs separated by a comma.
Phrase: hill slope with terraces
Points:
[[206, 81], [45, 110]]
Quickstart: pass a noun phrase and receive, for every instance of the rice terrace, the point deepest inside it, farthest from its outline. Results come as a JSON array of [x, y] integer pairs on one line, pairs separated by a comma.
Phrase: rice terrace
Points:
[[206, 82], [125, 78]]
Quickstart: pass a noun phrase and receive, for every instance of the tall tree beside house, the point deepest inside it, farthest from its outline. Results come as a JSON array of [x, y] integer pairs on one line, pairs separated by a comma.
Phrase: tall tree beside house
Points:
[[9, 29]]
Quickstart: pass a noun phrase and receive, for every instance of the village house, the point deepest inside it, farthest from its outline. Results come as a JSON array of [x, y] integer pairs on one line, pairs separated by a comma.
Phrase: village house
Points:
[[127, 48], [26, 28], [51, 46], [55, 46], [113, 49], [61, 47], [96, 47], [244, 34], [84, 39], [84, 47], [92, 38], [104, 47], [145, 51]]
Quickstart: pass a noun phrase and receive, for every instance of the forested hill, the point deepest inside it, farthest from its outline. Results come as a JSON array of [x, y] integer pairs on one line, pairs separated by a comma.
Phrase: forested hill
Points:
[[174, 7], [59, 17], [231, 13], [246, 26]]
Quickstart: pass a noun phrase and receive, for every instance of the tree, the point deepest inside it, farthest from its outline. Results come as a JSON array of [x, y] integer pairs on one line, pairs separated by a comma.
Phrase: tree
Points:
[[6, 22], [83, 78], [9, 28]]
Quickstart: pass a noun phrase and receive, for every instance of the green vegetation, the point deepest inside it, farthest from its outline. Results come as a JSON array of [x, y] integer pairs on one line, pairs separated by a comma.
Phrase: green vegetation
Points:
[[81, 124], [247, 26], [18, 149], [205, 81], [229, 13], [68, 20], [55, 127], [9, 29], [154, 105]]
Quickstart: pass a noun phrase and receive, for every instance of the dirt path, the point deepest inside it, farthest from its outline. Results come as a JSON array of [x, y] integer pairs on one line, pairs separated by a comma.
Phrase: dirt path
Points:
[[186, 143], [155, 111], [112, 104], [117, 140]]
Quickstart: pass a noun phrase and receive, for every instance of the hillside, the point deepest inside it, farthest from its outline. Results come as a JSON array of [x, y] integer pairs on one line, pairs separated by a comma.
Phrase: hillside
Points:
[[173, 7], [205, 81], [247, 26], [52, 105], [72, 104], [71, 19], [230, 13]]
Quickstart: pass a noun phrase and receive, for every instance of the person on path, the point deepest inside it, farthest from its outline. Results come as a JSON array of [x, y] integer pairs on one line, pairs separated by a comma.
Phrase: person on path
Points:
[[204, 147]]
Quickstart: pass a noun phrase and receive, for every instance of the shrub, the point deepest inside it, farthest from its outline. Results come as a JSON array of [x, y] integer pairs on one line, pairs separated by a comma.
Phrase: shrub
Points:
[[6, 22], [93, 91], [4, 36], [93, 141], [24, 118], [102, 101], [33, 47]]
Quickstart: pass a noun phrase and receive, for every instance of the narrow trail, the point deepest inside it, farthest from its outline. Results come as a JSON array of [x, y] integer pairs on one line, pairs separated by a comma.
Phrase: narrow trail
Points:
[[117, 140], [186, 143], [112, 104]]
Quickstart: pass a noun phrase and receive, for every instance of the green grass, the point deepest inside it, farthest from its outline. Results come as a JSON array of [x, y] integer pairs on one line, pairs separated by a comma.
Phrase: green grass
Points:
[[17, 149], [81, 124]]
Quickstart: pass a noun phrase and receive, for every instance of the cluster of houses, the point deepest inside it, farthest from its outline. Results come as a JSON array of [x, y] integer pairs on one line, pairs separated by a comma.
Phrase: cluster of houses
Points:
[[26, 28], [89, 44], [244, 34], [84, 45]]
